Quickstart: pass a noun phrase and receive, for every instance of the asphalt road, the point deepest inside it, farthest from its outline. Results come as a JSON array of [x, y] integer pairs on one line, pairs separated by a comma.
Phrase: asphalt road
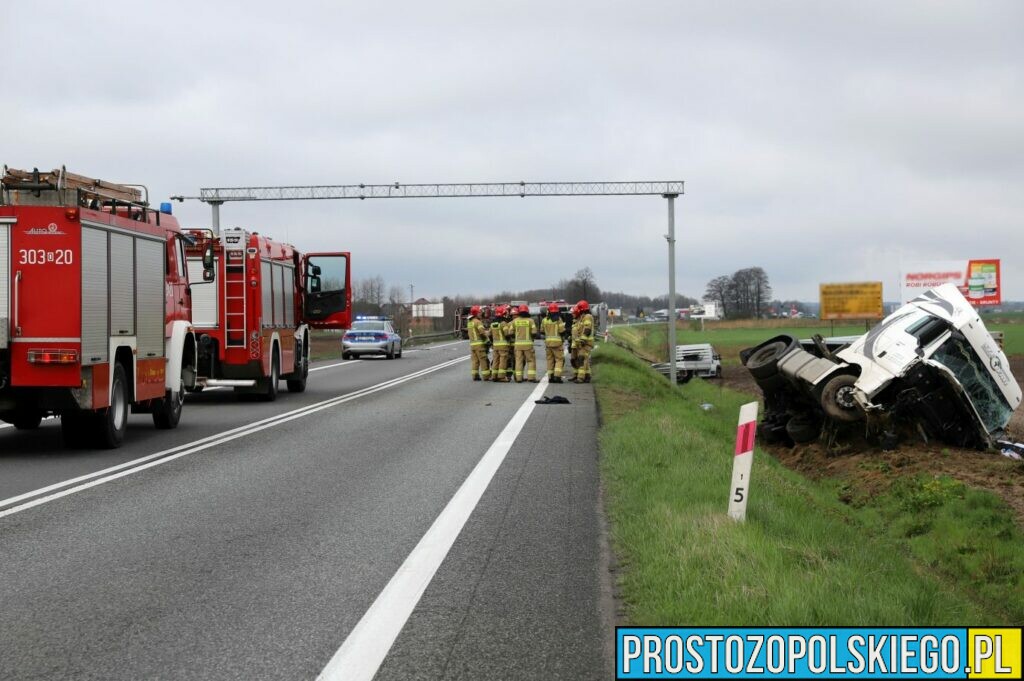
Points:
[[256, 537]]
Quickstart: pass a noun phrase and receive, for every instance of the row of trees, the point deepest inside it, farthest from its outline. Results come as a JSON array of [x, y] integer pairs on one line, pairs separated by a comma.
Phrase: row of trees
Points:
[[743, 295]]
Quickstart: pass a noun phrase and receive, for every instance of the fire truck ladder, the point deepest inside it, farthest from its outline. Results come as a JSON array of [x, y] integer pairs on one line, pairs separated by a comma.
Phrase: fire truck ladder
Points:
[[234, 304]]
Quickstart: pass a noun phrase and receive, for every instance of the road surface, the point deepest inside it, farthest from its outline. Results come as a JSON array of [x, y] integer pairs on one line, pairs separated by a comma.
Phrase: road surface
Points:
[[396, 521]]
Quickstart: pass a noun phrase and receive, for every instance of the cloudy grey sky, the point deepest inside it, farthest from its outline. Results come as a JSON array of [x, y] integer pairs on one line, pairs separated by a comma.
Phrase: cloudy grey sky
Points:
[[823, 141]]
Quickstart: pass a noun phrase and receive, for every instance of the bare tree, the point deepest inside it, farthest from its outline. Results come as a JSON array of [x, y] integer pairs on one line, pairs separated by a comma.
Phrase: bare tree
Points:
[[718, 291]]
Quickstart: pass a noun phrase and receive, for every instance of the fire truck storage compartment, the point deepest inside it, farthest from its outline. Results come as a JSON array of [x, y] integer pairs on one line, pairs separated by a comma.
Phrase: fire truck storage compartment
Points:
[[204, 296], [5, 282], [135, 266], [278, 299], [150, 258], [95, 317]]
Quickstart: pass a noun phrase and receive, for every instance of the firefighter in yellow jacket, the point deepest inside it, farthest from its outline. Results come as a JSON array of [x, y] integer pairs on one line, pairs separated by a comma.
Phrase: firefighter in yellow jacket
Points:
[[584, 340], [479, 367], [554, 329], [500, 345], [525, 330]]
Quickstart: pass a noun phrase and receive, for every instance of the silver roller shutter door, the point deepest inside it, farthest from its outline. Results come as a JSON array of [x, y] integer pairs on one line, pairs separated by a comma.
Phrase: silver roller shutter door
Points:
[[95, 303], [151, 260], [5, 282], [267, 282], [122, 285]]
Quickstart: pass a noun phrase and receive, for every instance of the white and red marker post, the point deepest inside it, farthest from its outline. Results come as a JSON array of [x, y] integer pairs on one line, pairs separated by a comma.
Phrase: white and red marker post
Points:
[[742, 462]]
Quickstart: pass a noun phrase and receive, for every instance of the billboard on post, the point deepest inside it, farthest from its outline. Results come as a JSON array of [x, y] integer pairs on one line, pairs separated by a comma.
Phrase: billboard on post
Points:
[[856, 300], [978, 280]]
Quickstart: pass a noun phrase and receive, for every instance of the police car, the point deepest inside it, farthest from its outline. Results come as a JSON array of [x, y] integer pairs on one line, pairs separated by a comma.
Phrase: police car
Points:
[[371, 336]]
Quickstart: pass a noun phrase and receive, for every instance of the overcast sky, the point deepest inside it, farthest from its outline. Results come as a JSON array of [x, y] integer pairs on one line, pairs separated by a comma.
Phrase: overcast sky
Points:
[[823, 141]]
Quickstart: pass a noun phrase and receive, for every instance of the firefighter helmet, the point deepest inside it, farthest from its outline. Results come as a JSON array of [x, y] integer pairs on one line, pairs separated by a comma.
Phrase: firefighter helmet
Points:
[[583, 306], [523, 309], [499, 311], [553, 308], [474, 311]]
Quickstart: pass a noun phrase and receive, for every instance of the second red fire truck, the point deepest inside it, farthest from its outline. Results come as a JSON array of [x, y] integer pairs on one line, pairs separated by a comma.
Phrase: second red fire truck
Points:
[[254, 323]]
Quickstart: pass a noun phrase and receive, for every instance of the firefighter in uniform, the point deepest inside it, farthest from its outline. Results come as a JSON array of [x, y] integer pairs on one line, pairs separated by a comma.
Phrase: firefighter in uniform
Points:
[[525, 329], [500, 345], [584, 341], [554, 328], [510, 337], [479, 367], [574, 351]]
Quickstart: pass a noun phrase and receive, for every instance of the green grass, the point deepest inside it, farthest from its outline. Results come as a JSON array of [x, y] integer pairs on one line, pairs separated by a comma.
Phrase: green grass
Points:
[[966, 535], [927, 553]]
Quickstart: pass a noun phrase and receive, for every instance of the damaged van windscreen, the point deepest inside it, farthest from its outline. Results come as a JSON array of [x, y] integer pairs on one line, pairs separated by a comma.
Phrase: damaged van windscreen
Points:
[[957, 355]]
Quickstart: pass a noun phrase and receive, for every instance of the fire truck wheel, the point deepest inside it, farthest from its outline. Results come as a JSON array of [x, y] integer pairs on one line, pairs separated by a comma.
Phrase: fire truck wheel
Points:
[[298, 384], [111, 425], [167, 412], [270, 383]]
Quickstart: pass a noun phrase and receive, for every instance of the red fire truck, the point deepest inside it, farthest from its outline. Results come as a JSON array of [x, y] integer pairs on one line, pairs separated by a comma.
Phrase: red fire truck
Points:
[[94, 307], [253, 325]]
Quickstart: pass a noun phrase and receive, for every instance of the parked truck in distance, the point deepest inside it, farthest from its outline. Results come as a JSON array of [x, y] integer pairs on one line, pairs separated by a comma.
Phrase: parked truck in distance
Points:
[[253, 325], [95, 307]]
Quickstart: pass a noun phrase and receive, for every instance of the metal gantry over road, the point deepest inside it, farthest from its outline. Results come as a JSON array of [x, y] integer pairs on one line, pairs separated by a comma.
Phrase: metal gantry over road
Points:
[[668, 189]]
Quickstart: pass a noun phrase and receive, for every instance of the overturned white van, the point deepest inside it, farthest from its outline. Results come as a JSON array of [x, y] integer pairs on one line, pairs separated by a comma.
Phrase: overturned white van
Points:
[[930, 368]]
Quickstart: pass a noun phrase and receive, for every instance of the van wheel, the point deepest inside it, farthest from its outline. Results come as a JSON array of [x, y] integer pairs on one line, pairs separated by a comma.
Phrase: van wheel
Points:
[[270, 383], [167, 412], [110, 426]]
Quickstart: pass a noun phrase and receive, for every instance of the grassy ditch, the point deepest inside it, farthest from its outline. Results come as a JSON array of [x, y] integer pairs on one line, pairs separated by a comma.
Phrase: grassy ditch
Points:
[[926, 551]]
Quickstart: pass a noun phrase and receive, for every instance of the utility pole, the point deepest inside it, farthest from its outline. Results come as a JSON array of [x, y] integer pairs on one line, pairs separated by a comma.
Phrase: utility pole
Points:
[[671, 238]]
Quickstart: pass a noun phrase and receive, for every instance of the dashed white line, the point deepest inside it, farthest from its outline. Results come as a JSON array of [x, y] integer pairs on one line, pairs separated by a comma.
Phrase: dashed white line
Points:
[[158, 458], [362, 653]]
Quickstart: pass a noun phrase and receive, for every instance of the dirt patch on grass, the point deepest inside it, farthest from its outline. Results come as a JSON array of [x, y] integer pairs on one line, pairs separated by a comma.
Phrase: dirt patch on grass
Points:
[[870, 471]]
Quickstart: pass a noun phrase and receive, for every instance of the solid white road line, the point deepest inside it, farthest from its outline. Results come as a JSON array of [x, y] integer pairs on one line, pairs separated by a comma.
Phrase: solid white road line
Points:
[[347, 362], [435, 347], [151, 460], [362, 653]]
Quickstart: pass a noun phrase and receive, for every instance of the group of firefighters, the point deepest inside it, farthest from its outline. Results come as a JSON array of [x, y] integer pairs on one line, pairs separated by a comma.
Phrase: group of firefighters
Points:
[[512, 336]]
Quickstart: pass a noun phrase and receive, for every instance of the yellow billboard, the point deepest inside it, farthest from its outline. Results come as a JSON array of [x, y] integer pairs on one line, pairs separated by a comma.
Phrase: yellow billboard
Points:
[[859, 300]]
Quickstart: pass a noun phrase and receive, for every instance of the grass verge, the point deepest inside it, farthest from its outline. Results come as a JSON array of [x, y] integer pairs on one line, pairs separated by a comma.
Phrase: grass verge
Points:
[[926, 552]]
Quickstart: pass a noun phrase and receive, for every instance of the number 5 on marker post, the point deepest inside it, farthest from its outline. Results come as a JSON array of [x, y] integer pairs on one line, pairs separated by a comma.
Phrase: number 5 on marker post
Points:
[[740, 490]]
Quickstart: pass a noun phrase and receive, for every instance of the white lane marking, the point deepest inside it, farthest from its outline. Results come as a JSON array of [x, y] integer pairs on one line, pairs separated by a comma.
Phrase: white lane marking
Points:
[[362, 653], [347, 362], [151, 460], [435, 347], [220, 387]]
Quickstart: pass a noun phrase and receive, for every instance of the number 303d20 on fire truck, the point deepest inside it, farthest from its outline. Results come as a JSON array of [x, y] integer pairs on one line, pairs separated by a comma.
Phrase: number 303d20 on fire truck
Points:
[[253, 325], [95, 317]]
